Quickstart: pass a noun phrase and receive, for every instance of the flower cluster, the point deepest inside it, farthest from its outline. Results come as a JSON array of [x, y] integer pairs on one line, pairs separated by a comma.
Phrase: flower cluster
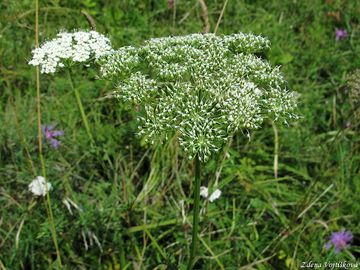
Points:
[[79, 46], [203, 87]]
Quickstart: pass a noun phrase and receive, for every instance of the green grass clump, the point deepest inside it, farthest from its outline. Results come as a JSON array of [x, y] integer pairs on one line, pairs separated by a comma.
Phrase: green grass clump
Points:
[[134, 200]]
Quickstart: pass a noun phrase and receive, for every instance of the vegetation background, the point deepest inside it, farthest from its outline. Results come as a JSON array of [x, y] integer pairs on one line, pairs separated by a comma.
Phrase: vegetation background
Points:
[[135, 199]]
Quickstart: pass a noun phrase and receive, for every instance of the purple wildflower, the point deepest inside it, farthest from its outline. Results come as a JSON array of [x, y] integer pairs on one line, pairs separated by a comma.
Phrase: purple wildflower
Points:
[[50, 134], [339, 240], [340, 34]]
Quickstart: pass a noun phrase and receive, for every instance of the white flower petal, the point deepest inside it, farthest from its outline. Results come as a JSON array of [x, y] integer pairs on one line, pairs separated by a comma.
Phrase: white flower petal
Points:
[[215, 195], [204, 192]]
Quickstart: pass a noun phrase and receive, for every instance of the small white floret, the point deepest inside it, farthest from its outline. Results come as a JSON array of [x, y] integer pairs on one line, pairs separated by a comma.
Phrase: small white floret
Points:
[[215, 195], [39, 186], [204, 192]]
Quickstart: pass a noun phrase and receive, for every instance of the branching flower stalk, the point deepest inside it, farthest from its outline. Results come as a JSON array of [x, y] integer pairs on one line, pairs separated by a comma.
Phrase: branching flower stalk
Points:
[[203, 87]]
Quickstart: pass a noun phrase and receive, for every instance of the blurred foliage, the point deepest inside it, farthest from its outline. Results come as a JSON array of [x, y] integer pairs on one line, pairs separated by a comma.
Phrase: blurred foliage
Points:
[[130, 194]]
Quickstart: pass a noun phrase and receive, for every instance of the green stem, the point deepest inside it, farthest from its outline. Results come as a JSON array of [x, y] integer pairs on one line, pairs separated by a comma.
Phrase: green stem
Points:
[[81, 107], [50, 214], [122, 254], [196, 213], [43, 168]]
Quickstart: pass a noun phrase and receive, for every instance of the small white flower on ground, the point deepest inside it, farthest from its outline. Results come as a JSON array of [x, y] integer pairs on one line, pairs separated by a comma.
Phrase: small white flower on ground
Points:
[[204, 192], [215, 195], [39, 186]]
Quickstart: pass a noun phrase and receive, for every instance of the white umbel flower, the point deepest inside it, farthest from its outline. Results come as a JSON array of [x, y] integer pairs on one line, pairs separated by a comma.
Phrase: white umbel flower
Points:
[[79, 46], [39, 186], [204, 192]]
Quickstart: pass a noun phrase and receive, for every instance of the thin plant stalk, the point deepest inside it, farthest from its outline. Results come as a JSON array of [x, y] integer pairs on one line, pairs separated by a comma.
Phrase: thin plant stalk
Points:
[[276, 149], [50, 214], [196, 212], [220, 17], [80, 105], [174, 16], [43, 168], [204, 16]]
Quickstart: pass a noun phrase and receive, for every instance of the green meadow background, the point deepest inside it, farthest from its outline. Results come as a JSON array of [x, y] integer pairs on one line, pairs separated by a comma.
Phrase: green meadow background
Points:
[[135, 199]]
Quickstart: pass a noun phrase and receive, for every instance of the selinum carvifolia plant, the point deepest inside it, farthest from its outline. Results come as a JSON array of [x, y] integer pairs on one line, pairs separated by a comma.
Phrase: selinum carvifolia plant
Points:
[[201, 88]]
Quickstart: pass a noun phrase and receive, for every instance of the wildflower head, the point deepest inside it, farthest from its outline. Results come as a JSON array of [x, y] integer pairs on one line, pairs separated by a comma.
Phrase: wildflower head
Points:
[[340, 34], [50, 135], [39, 186], [340, 240], [79, 46], [202, 87]]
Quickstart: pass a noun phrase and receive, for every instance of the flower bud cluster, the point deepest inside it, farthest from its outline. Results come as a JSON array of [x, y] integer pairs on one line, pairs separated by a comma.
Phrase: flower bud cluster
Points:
[[203, 87]]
